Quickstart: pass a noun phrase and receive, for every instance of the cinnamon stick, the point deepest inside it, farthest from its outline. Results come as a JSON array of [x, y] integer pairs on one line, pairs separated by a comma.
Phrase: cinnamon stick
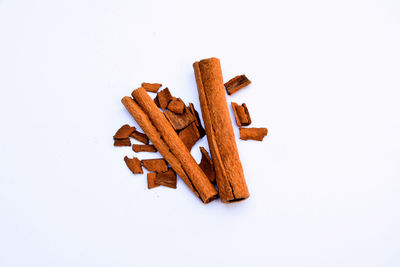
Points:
[[221, 139], [257, 134], [155, 125]]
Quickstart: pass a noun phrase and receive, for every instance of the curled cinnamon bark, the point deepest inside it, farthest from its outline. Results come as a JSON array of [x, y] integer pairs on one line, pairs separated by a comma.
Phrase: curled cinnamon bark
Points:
[[257, 134], [221, 139]]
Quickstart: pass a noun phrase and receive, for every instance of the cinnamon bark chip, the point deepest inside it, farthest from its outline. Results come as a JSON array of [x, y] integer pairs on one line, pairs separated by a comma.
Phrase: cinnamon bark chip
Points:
[[133, 164], [163, 97], [168, 143], [167, 179], [122, 142], [155, 165], [221, 139], [237, 83], [257, 134], [143, 148], [179, 121], [124, 132], [176, 105], [156, 101], [141, 137], [151, 87], [207, 165], [151, 180], [197, 120], [190, 135], [242, 115]]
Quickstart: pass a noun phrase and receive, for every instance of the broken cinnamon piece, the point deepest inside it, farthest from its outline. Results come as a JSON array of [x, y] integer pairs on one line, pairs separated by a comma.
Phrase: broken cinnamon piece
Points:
[[257, 134], [242, 115], [207, 165], [143, 148], [151, 87], [197, 120], [179, 121], [133, 164], [155, 165], [218, 125], [155, 100], [176, 105], [122, 142], [151, 180], [190, 135], [163, 97], [237, 83], [167, 179], [140, 137], [124, 132]]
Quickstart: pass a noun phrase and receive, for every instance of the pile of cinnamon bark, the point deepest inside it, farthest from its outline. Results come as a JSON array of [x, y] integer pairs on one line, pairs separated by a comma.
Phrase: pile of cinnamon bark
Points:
[[173, 128]]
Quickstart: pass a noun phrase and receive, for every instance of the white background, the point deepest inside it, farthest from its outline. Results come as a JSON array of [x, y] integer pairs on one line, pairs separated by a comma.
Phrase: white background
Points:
[[325, 183]]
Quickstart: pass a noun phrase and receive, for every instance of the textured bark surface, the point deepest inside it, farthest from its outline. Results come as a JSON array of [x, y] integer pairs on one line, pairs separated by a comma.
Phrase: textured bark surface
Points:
[[207, 165], [190, 135], [176, 105], [124, 132], [221, 139], [241, 113], [122, 142], [169, 144], [155, 165], [257, 134], [167, 178], [151, 180], [134, 165], [143, 148], [151, 87], [141, 137], [236, 83]]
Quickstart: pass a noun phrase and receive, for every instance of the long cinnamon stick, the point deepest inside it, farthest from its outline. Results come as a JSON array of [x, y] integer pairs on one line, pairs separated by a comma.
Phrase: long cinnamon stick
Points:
[[155, 125], [221, 139]]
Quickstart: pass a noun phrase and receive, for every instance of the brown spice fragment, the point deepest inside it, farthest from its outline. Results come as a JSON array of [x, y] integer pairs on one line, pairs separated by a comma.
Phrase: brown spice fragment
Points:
[[190, 135], [155, 165], [237, 83], [151, 87], [133, 164], [122, 142], [197, 120], [155, 100], [124, 132], [151, 180], [140, 137], [179, 121], [167, 179], [207, 165], [143, 148], [163, 97], [176, 105], [242, 115], [257, 134]]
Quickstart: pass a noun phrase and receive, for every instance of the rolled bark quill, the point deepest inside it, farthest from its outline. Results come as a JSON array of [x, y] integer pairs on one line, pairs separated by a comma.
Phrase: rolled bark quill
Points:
[[167, 142], [218, 125]]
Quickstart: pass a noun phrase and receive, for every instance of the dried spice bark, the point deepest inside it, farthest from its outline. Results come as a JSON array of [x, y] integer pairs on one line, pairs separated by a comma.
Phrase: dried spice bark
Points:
[[221, 139], [236, 83], [207, 165], [143, 148], [151, 180], [176, 105], [197, 120], [167, 179], [257, 134], [141, 137], [163, 98], [190, 135], [155, 165], [167, 142], [122, 142], [242, 115], [151, 87], [133, 164], [124, 132], [179, 121]]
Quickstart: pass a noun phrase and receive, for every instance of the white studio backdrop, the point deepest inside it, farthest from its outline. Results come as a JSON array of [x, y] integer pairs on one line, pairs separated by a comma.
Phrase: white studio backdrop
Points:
[[324, 184]]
